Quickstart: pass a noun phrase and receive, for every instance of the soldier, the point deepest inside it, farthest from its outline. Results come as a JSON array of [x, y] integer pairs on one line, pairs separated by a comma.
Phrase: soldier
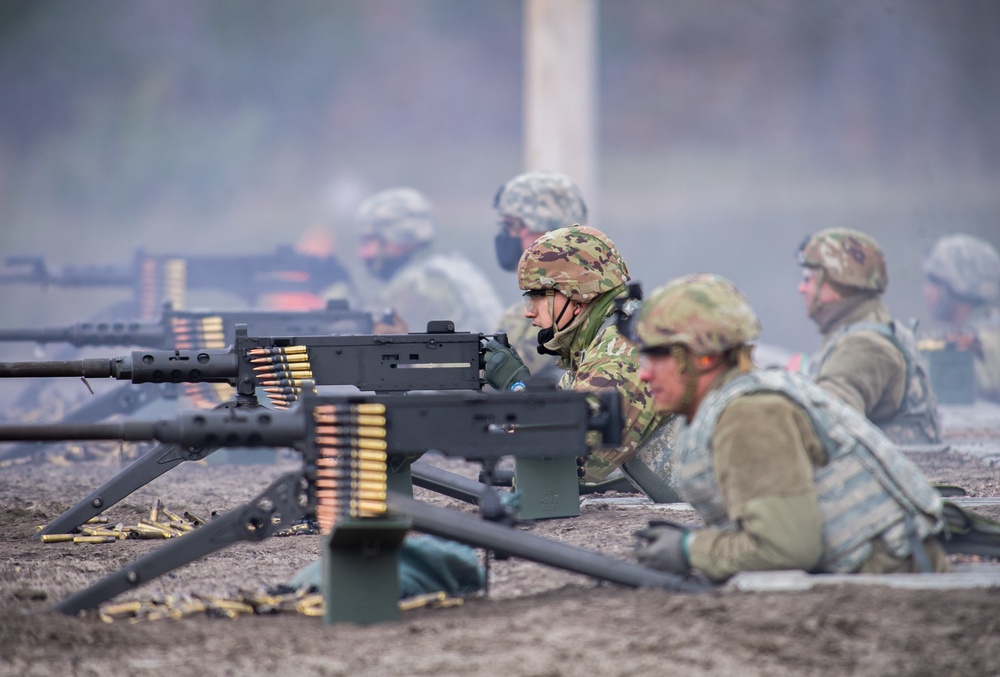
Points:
[[571, 278], [961, 289], [784, 475], [867, 359], [397, 230], [530, 205]]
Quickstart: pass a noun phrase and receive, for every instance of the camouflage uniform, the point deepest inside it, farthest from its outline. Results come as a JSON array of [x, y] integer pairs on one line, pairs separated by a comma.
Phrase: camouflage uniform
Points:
[[429, 286], [767, 455], [583, 264], [867, 359], [968, 270], [542, 201]]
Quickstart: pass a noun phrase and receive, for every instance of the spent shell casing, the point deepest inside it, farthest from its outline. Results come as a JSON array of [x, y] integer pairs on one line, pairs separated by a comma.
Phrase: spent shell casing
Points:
[[121, 609], [148, 524], [172, 516], [57, 538], [154, 514], [100, 519], [191, 517], [151, 534], [94, 539]]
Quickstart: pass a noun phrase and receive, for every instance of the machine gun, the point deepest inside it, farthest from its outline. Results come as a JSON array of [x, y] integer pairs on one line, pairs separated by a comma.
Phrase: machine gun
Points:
[[199, 328], [183, 330], [155, 279], [440, 359], [345, 444]]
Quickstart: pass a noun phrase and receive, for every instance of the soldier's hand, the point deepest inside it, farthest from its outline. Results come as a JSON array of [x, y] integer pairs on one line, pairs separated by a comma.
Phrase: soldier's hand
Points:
[[663, 547], [504, 369]]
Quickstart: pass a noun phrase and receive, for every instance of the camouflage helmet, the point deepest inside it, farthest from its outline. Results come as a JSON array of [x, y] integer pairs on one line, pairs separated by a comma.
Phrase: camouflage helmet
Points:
[[849, 258], [397, 215], [579, 261], [543, 201], [967, 266], [705, 313]]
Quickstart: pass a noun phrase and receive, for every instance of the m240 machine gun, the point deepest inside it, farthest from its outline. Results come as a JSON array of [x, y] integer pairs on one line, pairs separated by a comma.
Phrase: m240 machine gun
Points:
[[440, 359], [345, 443], [155, 279]]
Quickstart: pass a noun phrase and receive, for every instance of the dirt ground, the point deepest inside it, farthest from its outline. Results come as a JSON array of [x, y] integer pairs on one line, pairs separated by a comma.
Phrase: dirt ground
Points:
[[536, 620]]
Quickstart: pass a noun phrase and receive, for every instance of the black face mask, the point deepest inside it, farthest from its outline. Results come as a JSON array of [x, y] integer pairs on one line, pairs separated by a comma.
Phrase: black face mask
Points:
[[508, 249], [544, 336], [549, 333]]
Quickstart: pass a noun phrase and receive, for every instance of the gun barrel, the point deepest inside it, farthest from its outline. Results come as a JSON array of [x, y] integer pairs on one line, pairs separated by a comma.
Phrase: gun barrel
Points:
[[51, 432], [35, 335], [90, 368]]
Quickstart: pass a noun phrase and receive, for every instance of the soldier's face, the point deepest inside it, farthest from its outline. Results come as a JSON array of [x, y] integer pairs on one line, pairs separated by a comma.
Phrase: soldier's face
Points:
[[661, 371], [937, 301], [537, 309], [815, 293]]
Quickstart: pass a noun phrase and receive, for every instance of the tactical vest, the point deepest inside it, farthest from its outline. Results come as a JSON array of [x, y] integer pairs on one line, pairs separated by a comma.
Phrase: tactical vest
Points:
[[868, 489], [916, 421]]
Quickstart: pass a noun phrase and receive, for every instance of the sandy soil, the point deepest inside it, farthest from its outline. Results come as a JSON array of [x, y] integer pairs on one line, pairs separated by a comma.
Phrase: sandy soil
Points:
[[535, 620]]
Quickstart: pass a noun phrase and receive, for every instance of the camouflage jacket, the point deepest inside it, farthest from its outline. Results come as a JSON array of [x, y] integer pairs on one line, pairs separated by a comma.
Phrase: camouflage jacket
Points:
[[601, 358], [871, 362], [443, 287]]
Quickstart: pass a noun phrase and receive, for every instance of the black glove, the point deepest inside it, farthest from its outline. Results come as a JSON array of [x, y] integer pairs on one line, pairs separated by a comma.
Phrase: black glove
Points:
[[504, 369], [664, 548]]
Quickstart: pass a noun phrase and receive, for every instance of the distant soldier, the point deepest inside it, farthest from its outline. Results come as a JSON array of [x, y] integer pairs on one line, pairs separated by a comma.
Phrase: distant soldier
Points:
[[867, 359], [397, 230], [530, 205], [961, 290], [571, 278], [784, 475]]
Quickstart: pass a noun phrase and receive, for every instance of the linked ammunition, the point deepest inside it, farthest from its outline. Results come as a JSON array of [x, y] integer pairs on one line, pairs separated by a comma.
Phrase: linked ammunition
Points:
[[282, 359], [356, 431], [286, 350], [352, 463], [357, 408], [348, 419]]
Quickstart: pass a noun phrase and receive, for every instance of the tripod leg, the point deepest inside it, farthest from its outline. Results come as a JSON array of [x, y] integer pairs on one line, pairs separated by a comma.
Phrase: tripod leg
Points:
[[283, 499], [144, 470]]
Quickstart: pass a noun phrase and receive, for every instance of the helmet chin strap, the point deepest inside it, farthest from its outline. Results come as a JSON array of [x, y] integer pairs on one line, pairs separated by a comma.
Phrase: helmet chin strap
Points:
[[685, 366]]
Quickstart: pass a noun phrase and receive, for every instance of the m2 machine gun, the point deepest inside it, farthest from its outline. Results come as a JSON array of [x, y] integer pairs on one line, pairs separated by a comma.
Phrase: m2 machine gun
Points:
[[346, 444], [439, 359], [156, 279], [182, 330]]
